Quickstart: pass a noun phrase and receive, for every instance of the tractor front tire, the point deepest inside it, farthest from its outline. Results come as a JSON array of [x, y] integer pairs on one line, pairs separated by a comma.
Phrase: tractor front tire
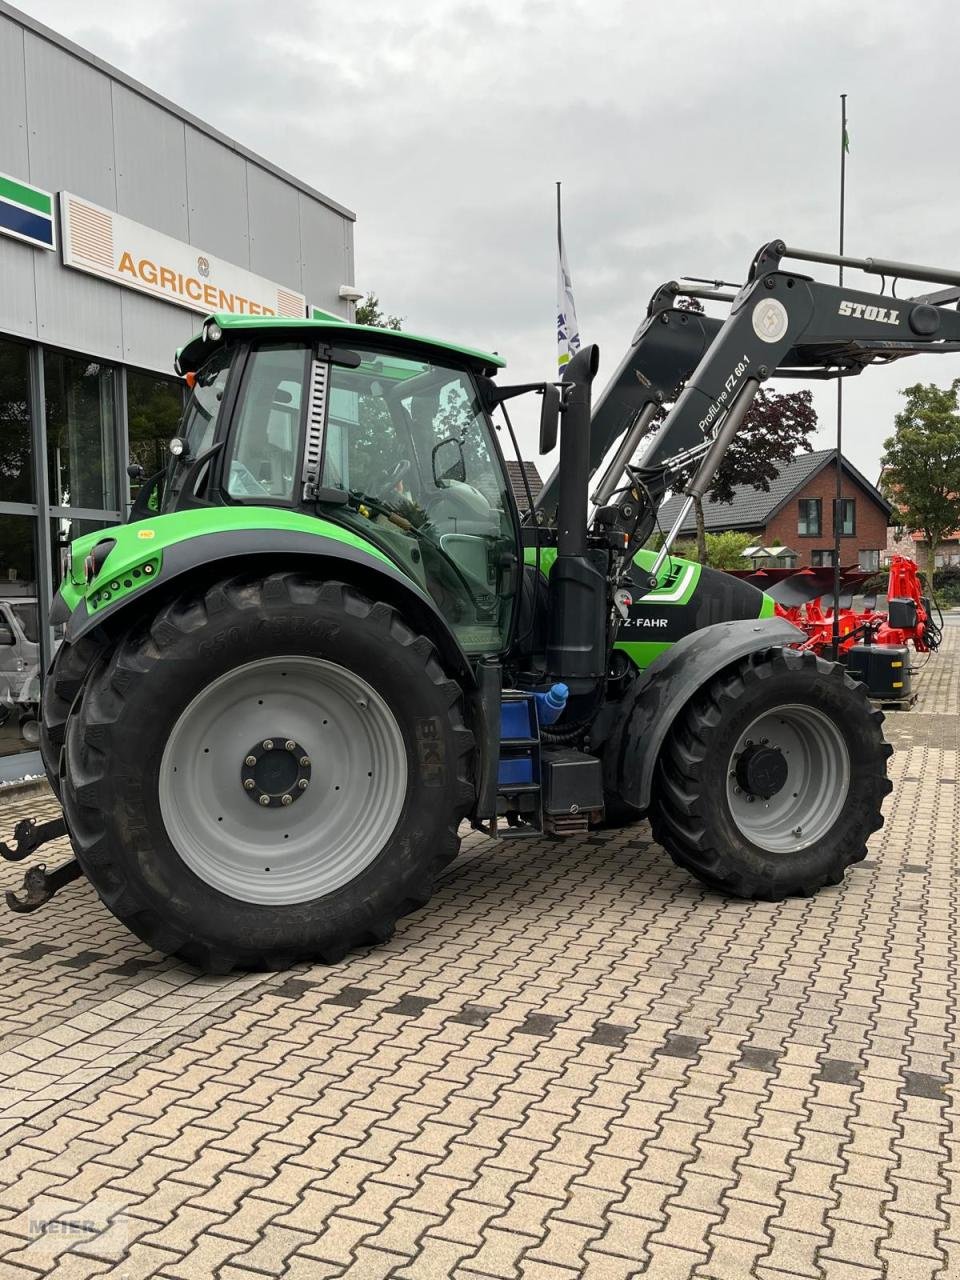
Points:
[[272, 770], [772, 778]]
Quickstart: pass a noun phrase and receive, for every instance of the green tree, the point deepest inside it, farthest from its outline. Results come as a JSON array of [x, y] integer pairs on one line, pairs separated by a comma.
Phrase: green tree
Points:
[[723, 550], [921, 464], [370, 312]]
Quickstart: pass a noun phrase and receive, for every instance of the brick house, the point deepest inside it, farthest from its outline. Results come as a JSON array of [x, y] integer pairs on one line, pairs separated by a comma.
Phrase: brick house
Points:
[[515, 475], [797, 512]]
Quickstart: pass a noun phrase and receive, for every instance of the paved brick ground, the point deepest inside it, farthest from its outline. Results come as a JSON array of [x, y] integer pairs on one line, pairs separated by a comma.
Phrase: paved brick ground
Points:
[[574, 1062]]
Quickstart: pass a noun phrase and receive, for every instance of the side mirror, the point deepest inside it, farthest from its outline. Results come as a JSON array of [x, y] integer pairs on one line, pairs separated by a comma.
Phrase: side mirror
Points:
[[6, 635], [448, 461], [549, 417]]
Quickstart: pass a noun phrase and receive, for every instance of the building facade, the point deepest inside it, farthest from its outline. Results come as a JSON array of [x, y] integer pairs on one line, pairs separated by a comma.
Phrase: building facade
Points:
[[123, 219], [798, 511]]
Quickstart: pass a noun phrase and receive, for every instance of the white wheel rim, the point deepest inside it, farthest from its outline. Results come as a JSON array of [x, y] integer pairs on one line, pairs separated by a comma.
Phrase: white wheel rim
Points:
[[356, 780]]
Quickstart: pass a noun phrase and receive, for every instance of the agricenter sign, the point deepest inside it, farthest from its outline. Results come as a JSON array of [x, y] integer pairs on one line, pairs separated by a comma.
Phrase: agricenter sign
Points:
[[108, 245]]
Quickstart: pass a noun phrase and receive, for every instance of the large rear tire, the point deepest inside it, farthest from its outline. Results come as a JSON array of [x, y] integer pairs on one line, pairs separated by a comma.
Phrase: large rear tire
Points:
[[772, 778], [272, 771], [61, 685]]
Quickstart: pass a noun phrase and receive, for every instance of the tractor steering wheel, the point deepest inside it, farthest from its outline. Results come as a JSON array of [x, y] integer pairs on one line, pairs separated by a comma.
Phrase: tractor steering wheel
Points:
[[390, 478]]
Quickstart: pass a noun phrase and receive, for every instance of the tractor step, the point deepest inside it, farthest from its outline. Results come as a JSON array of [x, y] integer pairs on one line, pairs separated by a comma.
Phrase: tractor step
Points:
[[39, 885], [519, 793], [28, 836]]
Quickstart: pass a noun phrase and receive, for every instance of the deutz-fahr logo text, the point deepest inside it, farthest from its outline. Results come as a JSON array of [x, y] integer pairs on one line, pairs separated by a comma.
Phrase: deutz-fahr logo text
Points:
[[860, 311]]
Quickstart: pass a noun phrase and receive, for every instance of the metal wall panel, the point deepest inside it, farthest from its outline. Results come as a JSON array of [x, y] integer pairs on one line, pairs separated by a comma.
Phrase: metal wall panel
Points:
[[18, 299], [217, 190], [151, 163], [153, 331], [71, 123], [13, 103], [76, 310], [326, 264], [274, 210]]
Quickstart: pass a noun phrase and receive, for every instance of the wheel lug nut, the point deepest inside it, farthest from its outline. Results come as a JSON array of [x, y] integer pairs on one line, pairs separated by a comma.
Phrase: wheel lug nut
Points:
[[268, 744], [303, 784], [286, 800], [248, 784], [250, 760], [305, 762], [290, 745], [264, 800]]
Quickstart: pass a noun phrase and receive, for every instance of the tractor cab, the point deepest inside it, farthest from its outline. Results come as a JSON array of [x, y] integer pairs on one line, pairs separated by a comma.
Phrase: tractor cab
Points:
[[386, 435]]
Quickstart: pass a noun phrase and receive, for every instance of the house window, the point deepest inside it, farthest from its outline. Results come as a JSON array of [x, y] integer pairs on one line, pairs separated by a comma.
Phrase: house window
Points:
[[870, 560], [821, 559], [846, 517], [809, 520]]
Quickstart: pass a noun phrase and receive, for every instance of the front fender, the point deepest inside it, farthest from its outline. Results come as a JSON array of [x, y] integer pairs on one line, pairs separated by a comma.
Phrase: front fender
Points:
[[316, 546], [664, 689]]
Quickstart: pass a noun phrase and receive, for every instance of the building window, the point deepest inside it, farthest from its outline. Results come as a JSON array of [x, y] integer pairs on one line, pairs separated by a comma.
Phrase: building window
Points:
[[81, 432], [19, 635], [870, 560], [16, 470], [154, 409], [808, 523], [821, 559], [846, 518]]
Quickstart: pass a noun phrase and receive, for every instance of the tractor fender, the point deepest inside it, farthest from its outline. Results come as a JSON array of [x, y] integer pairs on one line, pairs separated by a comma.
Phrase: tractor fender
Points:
[[666, 686], [228, 550]]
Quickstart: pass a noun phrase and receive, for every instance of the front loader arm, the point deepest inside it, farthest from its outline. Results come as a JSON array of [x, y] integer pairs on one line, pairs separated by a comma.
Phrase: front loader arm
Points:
[[785, 322], [663, 353]]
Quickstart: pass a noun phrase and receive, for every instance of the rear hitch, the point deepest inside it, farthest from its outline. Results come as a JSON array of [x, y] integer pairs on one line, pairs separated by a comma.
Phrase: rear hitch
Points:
[[39, 885], [28, 837]]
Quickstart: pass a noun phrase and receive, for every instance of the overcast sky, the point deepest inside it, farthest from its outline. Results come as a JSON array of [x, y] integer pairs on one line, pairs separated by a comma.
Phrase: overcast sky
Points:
[[686, 134]]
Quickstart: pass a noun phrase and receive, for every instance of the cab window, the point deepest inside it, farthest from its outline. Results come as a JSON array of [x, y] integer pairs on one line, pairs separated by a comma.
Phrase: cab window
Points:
[[266, 440], [411, 444]]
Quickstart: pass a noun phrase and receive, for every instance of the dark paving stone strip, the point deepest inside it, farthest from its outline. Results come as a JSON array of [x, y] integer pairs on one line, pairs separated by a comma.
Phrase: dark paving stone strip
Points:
[[755, 1059], [537, 1024], [36, 952], [474, 1015], [410, 1006], [294, 988], [610, 1033], [920, 1085], [837, 1071], [351, 997], [680, 1047]]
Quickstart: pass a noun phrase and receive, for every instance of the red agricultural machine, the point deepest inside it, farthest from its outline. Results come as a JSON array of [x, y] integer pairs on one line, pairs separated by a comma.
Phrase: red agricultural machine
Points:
[[874, 644]]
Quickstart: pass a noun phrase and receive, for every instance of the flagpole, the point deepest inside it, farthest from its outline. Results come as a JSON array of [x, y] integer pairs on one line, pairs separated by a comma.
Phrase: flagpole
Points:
[[838, 502]]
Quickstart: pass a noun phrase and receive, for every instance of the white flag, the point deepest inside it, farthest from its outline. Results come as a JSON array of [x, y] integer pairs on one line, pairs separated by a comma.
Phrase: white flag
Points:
[[568, 331]]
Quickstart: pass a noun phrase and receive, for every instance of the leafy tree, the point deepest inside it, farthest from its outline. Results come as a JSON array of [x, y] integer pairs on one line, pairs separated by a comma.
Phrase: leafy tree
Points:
[[921, 464], [776, 428], [369, 312], [723, 550]]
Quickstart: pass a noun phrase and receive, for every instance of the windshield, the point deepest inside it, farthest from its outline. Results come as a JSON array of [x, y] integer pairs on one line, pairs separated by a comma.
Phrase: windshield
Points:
[[412, 445], [199, 422]]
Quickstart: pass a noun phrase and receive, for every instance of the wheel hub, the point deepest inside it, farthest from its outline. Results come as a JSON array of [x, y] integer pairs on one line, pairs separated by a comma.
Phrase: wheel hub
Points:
[[275, 772], [761, 770]]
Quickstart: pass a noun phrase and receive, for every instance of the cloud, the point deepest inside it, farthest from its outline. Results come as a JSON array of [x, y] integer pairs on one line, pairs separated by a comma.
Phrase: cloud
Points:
[[686, 135]]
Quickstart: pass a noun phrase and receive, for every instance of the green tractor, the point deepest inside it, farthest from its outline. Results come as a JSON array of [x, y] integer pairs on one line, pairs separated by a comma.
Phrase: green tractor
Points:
[[325, 639]]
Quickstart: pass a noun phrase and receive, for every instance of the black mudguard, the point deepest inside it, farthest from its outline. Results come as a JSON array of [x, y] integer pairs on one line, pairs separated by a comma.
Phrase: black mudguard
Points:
[[230, 551], [655, 700]]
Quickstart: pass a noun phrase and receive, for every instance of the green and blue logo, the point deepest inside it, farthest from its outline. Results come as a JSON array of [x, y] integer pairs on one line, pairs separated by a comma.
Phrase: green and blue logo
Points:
[[26, 213]]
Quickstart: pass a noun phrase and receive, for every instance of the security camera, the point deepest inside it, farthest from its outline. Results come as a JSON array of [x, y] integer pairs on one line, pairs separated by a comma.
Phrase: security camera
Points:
[[350, 293]]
